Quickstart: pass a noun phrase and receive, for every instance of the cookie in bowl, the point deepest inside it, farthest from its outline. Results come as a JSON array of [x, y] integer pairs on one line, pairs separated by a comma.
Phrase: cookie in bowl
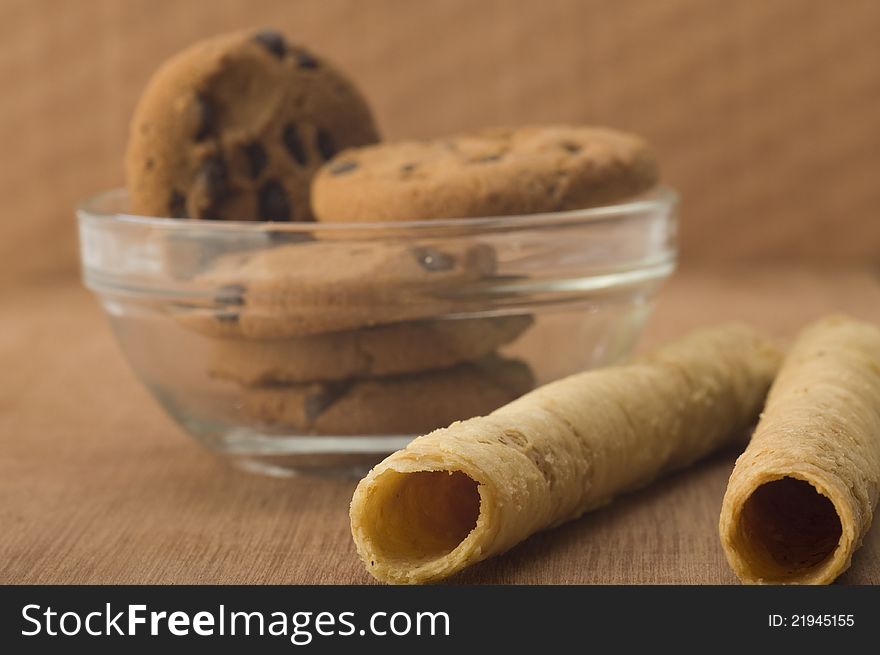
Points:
[[490, 172], [366, 353], [298, 296], [310, 288], [392, 405], [234, 127]]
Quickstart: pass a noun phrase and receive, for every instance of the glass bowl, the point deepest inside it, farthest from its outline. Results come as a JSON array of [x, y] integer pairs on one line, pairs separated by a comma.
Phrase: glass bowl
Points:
[[324, 347]]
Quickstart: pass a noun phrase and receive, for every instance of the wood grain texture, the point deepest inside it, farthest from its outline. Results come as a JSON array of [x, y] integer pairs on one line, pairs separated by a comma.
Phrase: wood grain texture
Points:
[[764, 113], [97, 485]]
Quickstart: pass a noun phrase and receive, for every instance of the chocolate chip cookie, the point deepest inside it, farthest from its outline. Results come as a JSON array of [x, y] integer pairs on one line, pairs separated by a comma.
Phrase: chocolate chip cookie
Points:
[[234, 128], [371, 352], [309, 288], [406, 404], [493, 172]]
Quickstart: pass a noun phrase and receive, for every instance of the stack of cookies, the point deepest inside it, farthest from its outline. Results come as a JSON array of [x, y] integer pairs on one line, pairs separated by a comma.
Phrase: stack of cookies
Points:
[[328, 337], [324, 332]]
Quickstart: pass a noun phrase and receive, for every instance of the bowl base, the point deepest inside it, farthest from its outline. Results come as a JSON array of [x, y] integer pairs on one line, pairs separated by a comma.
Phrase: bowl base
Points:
[[352, 467], [286, 455]]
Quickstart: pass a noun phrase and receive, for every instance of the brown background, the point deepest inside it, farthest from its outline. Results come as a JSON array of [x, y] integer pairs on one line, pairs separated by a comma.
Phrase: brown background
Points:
[[766, 114]]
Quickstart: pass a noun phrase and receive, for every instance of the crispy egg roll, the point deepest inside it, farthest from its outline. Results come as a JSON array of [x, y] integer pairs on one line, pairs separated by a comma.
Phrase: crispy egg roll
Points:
[[802, 495], [464, 493]]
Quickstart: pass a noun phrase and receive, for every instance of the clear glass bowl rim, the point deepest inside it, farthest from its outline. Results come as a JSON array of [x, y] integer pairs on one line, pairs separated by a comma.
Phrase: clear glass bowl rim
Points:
[[660, 198]]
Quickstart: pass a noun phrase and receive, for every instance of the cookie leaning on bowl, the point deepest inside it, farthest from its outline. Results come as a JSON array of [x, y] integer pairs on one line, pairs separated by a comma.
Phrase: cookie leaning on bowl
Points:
[[235, 126], [491, 172]]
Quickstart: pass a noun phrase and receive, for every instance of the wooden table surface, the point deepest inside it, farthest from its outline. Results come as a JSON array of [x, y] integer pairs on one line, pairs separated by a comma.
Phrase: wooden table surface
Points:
[[97, 485]]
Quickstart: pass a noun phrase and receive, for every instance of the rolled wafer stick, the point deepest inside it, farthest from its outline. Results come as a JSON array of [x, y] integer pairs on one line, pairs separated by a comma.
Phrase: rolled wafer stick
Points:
[[801, 497], [475, 489]]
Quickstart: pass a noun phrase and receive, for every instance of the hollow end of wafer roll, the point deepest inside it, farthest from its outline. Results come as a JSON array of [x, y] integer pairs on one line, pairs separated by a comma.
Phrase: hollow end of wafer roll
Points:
[[415, 524], [788, 528]]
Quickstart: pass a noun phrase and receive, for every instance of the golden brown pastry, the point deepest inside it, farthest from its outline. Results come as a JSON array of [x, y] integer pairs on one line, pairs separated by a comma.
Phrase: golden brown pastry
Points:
[[802, 495], [475, 489]]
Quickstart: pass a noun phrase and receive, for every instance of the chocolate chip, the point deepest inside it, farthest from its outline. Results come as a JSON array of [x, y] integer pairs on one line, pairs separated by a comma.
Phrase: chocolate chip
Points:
[[273, 42], [319, 402], [150, 164], [306, 60], [211, 180], [256, 157], [325, 144], [408, 168], [230, 294], [207, 117], [571, 147], [273, 203], [433, 260], [486, 159], [177, 205], [343, 167], [294, 145]]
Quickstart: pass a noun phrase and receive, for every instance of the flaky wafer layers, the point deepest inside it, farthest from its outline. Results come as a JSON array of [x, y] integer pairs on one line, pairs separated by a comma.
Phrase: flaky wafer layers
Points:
[[803, 494], [475, 489]]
